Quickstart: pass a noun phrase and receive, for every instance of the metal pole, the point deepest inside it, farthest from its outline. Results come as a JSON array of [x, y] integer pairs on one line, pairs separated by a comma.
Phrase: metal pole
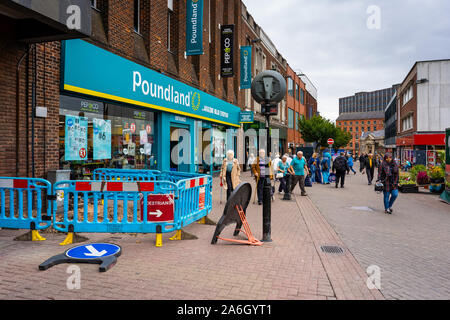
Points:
[[267, 192]]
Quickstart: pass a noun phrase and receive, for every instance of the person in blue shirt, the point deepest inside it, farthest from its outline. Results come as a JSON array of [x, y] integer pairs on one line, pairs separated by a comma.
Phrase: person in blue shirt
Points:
[[283, 166], [298, 169], [326, 164], [350, 164], [318, 170], [313, 167]]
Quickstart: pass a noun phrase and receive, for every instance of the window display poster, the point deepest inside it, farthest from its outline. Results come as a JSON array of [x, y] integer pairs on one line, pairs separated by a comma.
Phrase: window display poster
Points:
[[102, 139], [76, 138], [143, 137]]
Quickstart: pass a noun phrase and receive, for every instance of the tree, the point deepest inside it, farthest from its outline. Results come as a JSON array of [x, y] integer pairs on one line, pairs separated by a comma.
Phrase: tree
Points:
[[318, 129], [341, 138]]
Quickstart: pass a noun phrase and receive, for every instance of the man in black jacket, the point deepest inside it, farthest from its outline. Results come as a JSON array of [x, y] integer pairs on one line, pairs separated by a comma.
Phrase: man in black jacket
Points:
[[370, 164], [362, 159], [340, 166]]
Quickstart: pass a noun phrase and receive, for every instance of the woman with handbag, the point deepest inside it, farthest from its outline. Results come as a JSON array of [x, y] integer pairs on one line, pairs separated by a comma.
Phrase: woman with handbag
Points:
[[388, 175], [281, 173]]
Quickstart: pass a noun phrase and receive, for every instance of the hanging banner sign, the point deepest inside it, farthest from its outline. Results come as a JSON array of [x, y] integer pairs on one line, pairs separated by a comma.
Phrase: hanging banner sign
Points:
[[75, 138], [246, 117], [226, 49], [194, 27], [246, 67], [102, 139]]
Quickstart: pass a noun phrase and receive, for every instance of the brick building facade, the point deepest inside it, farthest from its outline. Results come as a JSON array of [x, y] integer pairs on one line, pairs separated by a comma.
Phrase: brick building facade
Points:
[[155, 41]]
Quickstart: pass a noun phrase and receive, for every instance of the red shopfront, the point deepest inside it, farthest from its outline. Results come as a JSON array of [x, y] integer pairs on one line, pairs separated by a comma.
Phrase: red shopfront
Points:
[[421, 148]]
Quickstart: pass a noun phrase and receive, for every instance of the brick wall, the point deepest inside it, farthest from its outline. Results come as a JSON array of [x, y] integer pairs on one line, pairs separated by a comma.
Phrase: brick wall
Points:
[[113, 30], [16, 123]]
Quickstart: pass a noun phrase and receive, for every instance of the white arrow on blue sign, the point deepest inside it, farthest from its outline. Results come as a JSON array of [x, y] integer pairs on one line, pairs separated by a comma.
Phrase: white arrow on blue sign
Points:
[[93, 250]]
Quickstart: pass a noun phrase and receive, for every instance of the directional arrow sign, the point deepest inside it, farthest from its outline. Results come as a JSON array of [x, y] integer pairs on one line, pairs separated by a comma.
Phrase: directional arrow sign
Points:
[[160, 207], [94, 252], [104, 254], [158, 213]]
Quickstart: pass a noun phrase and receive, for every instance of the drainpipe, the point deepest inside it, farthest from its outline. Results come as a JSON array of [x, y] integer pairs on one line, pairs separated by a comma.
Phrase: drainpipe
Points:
[[18, 108], [33, 110]]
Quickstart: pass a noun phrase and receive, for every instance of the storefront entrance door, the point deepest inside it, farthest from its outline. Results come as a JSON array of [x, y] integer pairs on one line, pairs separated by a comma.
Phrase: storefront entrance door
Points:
[[180, 147]]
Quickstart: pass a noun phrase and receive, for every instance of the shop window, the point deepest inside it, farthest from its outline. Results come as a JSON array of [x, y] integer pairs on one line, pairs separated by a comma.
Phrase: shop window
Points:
[[94, 135], [290, 86], [291, 119], [136, 20]]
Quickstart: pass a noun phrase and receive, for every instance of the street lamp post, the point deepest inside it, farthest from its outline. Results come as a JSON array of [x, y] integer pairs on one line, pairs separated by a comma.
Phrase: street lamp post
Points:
[[268, 89]]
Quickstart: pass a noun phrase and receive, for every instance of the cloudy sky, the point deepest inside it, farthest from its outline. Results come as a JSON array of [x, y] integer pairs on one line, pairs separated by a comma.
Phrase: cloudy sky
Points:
[[331, 42]]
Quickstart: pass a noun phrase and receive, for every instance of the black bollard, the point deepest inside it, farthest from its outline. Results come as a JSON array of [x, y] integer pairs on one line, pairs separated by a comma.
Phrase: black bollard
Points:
[[267, 189], [287, 191]]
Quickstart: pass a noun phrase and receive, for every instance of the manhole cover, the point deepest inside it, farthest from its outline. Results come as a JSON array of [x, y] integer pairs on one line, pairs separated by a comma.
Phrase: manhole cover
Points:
[[332, 249]]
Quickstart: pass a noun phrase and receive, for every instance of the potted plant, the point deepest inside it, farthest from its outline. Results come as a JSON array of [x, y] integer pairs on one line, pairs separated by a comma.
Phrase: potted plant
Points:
[[422, 178], [436, 175], [415, 170], [407, 185]]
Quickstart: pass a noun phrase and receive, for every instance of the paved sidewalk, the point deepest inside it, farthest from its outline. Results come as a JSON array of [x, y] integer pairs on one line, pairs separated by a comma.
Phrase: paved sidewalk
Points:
[[411, 246], [291, 267]]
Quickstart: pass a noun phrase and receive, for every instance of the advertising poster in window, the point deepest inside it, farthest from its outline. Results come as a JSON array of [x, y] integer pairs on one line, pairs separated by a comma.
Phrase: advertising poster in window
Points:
[[76, 138], [102, 139]]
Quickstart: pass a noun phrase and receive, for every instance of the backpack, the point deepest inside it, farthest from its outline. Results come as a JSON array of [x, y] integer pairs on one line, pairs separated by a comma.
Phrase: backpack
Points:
[[339, 163], [325, 165]]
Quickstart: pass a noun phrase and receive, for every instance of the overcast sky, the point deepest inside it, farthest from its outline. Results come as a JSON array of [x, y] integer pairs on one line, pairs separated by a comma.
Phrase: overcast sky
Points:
[[330, 41]]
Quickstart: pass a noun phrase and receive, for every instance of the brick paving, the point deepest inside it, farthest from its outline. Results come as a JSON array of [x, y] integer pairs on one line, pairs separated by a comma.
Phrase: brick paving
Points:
[[291, 267], [411, 246]]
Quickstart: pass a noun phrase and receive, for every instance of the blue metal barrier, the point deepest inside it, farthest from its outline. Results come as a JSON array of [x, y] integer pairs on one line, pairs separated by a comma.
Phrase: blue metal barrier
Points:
[[118, 205], [124, 174], [25, 203]]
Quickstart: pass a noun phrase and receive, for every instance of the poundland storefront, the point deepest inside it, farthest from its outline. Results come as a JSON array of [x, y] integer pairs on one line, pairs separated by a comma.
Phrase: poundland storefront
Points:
[[116, 113]]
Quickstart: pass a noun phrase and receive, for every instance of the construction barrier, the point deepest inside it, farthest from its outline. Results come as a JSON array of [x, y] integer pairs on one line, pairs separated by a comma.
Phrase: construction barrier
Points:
[[125, 174], [174, 200], [118, 201], [25, 204]]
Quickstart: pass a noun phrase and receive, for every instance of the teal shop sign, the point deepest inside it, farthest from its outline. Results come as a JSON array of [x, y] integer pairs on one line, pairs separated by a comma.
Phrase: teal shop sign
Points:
[[93, 71], [194, 27], [246, 67], [246, 117]]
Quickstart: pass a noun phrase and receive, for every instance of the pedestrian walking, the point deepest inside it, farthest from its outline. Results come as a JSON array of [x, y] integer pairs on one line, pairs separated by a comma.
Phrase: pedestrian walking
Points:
[[298, 169], [370, 164], [230, 173], [340, 166], [312, 167], [250, 161], [362, 160], [388, 175], [350, 164], [318, 170], [326, 165], [282, 173], [262, 170]]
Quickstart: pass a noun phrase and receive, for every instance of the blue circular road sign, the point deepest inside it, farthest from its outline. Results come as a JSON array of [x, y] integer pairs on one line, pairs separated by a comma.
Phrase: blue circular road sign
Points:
[[93, 251]]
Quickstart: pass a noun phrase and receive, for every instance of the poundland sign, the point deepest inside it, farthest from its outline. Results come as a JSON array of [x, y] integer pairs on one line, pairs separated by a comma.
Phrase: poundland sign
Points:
[[194, 27], [93, 71]]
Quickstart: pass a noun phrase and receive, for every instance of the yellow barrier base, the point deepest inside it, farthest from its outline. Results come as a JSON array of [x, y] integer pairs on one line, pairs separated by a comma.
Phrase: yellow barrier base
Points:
[[32, 235], [72, 237], [158, 240], [35, 236], [183, 235], [206, 220]]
